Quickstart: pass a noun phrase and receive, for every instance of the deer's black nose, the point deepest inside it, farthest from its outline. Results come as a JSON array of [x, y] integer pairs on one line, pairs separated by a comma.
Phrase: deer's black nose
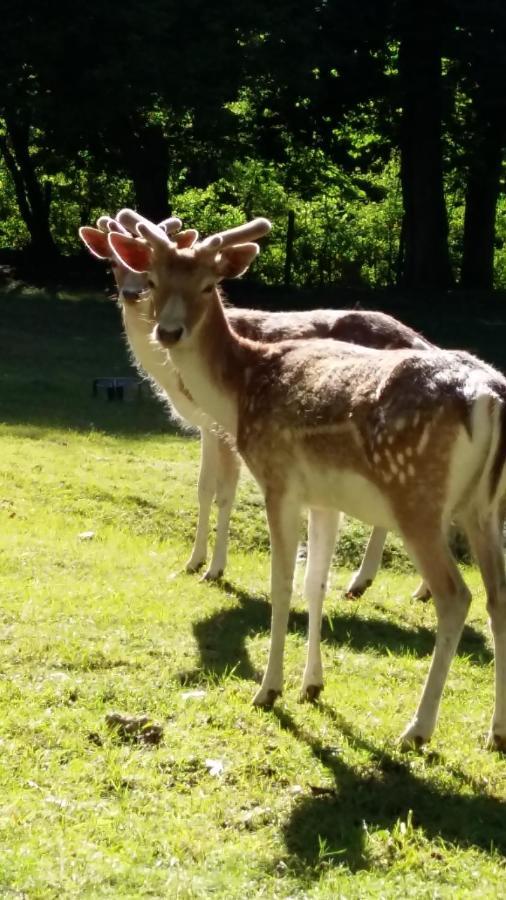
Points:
[[130, 296], [168, 338]]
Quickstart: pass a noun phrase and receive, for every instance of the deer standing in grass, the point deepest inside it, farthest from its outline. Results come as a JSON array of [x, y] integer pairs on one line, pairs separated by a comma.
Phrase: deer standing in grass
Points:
[[219, 469], [403, 439]]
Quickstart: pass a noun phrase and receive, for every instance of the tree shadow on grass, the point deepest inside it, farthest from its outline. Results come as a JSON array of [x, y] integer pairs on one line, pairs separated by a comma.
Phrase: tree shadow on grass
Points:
[[376, 796], [222, 637], [51, 352]]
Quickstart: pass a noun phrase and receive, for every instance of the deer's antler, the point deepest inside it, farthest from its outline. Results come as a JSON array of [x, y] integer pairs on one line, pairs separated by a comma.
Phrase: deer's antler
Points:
[[134, 222], [108, 224], [159, 236], [242, 234]]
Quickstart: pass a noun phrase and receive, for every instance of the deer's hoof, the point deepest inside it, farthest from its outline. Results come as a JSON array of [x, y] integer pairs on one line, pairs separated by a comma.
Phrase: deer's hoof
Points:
[[266, 698], [193, 566], [355, 590], [496, 742], [311, 693], [212, 575], [412, 739], [422, 594]]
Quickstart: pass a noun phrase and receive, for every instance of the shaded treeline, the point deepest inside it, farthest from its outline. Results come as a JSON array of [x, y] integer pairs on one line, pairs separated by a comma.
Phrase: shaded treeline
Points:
[[382, 124]]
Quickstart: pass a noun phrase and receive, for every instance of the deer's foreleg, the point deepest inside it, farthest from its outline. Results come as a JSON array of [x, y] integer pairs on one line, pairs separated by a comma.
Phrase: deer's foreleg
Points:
[[322, 534], [228, 468], [283, 516]]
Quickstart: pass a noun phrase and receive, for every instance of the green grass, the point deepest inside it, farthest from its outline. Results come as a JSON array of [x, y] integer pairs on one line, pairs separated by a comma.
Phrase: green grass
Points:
[[233, 802]]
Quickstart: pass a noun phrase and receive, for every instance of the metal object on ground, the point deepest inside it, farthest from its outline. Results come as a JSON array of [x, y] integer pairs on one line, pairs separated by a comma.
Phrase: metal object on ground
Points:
[[125, 387]]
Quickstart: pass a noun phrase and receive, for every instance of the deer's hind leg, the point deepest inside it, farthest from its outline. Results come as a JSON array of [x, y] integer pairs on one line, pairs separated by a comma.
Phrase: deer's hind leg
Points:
[[431, 555], [369, 566], [485, 538]]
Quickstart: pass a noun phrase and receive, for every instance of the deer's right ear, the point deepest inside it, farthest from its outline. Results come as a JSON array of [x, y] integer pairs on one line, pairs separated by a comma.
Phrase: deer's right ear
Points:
[[134, 254], [96, 242], [234, 261]]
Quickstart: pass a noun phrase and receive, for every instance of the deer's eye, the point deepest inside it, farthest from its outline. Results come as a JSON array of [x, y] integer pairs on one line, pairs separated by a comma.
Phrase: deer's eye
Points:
[[113, 264], [207, 288], [151, 283]]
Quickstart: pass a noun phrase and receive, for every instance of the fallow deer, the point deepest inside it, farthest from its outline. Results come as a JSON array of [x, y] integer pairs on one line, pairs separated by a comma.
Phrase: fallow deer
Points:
[[404, 439], [219, 468]]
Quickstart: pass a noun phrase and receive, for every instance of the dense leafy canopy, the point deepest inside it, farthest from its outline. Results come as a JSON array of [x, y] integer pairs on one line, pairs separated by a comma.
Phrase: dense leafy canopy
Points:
[[381, 125]]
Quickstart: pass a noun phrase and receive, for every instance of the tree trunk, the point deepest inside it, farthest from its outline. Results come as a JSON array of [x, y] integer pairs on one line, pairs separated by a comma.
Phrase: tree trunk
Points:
[[147, 162], [482, 191], [426, 259], [34, 199], [290, 234]]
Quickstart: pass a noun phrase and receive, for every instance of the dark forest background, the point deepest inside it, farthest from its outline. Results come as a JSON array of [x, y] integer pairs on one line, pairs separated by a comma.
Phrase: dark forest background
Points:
[[372, 133]]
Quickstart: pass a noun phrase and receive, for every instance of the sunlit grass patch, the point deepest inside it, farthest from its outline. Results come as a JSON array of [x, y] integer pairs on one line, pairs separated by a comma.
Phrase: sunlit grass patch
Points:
[[97, 616]]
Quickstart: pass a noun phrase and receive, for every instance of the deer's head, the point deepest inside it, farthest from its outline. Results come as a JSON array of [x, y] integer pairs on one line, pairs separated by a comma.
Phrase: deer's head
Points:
[[132, 286], [183, 274]]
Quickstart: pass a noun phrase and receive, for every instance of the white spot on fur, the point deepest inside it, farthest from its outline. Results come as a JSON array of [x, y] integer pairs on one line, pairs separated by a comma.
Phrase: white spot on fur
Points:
[[424, 440], [400, 424], [402, 477], [331, 428], [411, 469], [400, 458]]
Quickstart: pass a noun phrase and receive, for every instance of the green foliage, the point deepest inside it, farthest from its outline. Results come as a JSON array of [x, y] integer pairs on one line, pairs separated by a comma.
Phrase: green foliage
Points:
[[13, 231], [252, 112], [80, 196], [341, 235], [500, 243], [347, 233]]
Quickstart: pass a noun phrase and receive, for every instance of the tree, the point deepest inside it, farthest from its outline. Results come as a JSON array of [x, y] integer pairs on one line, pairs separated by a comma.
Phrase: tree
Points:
[[480, 50], [142, 89], [425, 259], [20, 144]]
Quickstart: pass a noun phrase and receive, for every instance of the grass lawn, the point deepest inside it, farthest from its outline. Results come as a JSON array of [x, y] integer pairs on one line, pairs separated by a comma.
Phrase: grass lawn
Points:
[[97, 512]]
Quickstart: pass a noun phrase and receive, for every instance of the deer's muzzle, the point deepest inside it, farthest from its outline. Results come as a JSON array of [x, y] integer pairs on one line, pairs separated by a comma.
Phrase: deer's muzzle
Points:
[[168, 338]]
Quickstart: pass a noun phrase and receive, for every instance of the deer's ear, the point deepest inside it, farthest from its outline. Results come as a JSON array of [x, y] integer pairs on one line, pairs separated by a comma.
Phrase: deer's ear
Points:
[[96, 241], [134, 254], [234, 261]]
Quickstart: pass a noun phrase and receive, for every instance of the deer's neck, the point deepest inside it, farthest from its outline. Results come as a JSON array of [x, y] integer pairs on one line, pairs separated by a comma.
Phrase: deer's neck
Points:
[[138, 329], [154, 361], [212, 367]]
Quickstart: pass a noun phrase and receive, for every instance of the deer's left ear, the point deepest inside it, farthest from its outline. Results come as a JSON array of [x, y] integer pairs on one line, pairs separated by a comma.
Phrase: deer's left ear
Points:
[[234, 261], [134, 254], [96, 241]]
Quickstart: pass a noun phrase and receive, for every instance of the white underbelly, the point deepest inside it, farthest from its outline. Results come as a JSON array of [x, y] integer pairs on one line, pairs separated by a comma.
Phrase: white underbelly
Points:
[[346, 491]]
